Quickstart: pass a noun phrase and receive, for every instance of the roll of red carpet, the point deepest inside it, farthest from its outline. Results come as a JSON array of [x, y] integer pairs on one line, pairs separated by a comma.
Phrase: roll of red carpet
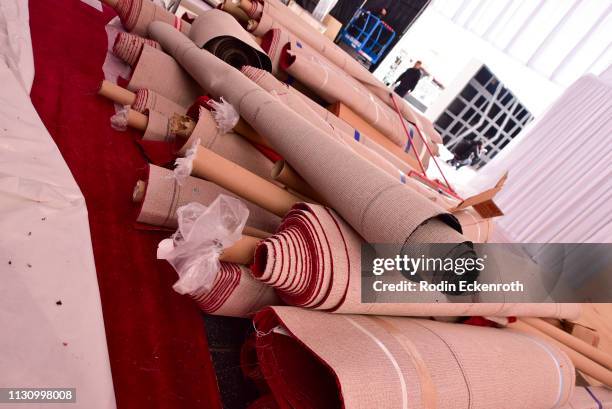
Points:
[[136, 15], [234, 293], [268, 82], [319, 360], [163, 196], [157, 71], [128, 47], [314, 261], [147, 99]]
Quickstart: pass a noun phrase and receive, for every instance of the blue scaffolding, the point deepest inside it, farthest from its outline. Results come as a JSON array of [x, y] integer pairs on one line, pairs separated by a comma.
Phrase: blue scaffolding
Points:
[[368, 35]]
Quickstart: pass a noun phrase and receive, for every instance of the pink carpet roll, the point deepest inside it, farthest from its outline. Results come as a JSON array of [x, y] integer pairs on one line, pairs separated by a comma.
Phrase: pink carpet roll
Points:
[[136, 15], [319, 360], [163, 196], [159, 72], [234, 293], [254, 10], [129, 46], [272, 43], [314, 261], [268, 82], [147, 99]]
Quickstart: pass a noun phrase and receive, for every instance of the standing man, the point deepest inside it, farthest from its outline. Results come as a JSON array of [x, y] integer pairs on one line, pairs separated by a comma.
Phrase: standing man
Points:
[[409, 80]]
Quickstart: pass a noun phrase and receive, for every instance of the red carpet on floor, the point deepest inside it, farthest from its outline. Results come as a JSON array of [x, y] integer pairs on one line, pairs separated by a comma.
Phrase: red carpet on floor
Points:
[[156, 338]]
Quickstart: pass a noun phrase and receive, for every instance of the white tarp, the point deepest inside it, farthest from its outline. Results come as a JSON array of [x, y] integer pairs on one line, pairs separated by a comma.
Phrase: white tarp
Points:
[[559, 187], [51, 327]]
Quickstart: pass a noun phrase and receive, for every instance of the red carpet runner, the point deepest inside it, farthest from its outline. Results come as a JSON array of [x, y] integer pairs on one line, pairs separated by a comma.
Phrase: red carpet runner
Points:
[[156, 338]]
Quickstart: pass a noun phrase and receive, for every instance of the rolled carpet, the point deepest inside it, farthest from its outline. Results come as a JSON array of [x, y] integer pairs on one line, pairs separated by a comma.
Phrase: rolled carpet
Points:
[[234, 293], [128, 47], [371, 201], [314, 261], [159, 72], [276, 15], [149, 100], [136, 15], [219, 33], [229, 145], [333, 85], [158, 127], [268, 82], [391, 362], [253, 9], [272, 43], [302, 108], [234, 10], [163, 195]]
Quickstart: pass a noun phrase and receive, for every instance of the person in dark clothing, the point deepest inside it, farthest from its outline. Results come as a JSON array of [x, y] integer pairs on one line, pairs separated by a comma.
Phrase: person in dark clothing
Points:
[[409, 80], [466, 152], [378, 7]]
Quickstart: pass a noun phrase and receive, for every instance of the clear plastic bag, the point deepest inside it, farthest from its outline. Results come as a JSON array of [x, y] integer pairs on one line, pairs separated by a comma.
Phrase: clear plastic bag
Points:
[[119, 121], [184, 166], [203, 232]]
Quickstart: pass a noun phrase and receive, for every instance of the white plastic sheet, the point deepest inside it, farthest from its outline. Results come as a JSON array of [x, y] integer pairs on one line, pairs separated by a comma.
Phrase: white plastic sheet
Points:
[[51, 327]]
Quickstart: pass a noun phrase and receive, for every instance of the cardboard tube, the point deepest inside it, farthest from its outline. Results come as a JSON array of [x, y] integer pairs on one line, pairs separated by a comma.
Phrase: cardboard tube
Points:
[[137, 120], [285, 174], [252, 24], [571, 341], [241, 252], [215, 168], [252, 231], [139, 191], [245, 5], [116, 93], [247, 131], [582, 363], [181, 126], [229, 7]]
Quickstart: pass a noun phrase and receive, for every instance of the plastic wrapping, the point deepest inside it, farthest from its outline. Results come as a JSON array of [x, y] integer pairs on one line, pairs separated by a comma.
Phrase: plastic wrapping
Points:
[[119, 121], [184, 166], [225, 115], [202, 235]]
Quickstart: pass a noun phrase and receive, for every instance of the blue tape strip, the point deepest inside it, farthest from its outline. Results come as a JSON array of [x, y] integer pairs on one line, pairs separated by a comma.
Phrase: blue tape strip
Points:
[[402, 177], [357, 135], [599, 404], [298, 44]]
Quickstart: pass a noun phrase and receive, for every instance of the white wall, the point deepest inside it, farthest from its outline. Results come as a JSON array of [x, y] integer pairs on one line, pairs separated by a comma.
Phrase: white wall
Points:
[[536, 47]]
